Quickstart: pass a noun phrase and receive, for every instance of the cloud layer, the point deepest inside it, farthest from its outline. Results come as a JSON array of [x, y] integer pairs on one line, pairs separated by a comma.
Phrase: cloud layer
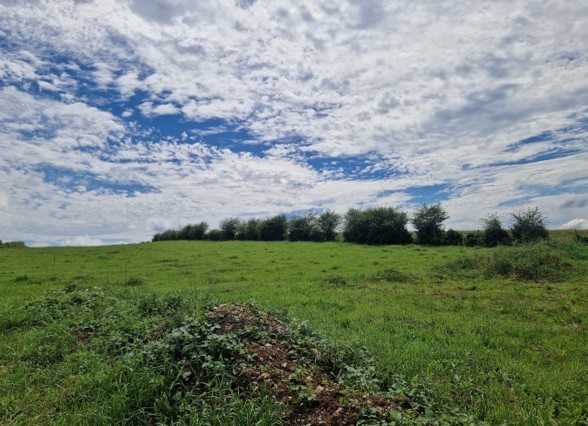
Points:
[[120, 118]]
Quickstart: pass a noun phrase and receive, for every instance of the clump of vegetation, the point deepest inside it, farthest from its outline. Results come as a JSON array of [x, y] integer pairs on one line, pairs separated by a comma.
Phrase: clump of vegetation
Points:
[[537, 262], [529, 226], [494, 234], [309, 227], [453, 238], [12, 244], [152, 359], [381, 225], [189, 232], [580, 238], [134, 282], [428, 222]]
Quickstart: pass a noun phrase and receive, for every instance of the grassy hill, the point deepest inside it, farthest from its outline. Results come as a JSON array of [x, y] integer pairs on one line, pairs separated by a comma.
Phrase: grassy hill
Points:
[[460, 331]]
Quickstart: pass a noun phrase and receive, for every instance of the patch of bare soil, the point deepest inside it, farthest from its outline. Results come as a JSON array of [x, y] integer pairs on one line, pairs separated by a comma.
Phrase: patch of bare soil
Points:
[[276, 364]]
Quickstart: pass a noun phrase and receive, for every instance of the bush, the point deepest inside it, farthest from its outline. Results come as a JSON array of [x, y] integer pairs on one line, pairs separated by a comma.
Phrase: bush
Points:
[[273, 228], [580, 238], [494, 234], [229, 228], [188, 232], [428, 221], [453, 238], [214, 235], [328, 222], [529, 226], [381, 225], [13, 244], [303, 228], [539, 261], [526, 262], [473, 239], [251, 229]]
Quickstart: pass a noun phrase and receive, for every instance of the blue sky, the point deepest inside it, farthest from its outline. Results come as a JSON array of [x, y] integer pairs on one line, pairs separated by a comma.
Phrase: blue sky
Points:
[[122, 118]]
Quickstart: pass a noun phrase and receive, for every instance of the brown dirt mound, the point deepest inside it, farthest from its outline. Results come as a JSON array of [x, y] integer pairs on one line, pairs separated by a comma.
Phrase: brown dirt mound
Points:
[[303, 384]]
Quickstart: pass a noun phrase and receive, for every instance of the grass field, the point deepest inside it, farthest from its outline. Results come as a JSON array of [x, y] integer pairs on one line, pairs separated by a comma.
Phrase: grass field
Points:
[[443, 327]]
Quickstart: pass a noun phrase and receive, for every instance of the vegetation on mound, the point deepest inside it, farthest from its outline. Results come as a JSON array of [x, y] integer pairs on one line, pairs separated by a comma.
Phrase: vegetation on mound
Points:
[[118, 358], [543, 261]]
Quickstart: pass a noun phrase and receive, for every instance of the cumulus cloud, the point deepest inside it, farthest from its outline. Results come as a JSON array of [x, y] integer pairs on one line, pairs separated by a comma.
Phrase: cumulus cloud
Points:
[[576, 224], [488, 101], [83, 240]]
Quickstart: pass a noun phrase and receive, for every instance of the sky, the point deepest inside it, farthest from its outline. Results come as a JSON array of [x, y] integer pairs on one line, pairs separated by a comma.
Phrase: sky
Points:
[[119, 119]]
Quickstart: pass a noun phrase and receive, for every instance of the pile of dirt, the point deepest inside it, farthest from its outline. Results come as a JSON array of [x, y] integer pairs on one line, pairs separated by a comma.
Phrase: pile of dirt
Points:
[[297, 376]]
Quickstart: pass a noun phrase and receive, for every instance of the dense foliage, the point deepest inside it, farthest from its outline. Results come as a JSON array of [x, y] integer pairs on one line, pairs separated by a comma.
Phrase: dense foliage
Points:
[[375, 225], [529, 226], [428, 222], [494, 234], [12, 244], [380, 225]]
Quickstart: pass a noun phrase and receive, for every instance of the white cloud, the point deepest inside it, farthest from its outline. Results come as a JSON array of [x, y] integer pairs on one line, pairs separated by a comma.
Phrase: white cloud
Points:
[[576, 224], [440, 92], [83, 240]]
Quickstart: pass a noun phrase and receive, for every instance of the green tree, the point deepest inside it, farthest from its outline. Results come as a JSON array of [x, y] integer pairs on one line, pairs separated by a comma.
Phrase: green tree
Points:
[[453, 238], [273, 228], [494, 234], [302, 228], [252, 229], [529, 225], [229, 227], [428, 221], [193, 232], [379, 225], [328, 222]]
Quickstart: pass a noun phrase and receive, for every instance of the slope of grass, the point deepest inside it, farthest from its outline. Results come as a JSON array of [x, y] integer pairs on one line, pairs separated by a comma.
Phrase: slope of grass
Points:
[[502, 348]]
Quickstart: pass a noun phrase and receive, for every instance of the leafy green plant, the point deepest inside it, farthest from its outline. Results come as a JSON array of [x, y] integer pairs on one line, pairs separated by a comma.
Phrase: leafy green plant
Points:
[[428, 221], [539, 261], [529, 225], [494, 234]]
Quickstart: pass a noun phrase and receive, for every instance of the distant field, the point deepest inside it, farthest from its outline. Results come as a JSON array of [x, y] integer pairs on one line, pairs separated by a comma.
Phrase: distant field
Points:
[[499, 347]]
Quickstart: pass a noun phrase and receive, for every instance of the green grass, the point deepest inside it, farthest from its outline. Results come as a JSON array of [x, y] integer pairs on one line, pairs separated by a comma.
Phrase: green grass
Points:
[[500, 347]]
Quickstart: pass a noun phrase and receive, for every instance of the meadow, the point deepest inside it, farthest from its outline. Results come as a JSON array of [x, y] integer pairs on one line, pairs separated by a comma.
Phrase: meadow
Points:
[[472, 335]]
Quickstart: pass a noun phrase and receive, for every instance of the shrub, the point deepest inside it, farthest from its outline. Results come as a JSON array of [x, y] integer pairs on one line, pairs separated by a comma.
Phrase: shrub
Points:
[[273, 228], [453, 238], [494, 234], [328, 222], [229, 227], [381, 225], [188, 232], [303, 228], [251, 229], [526, 262], [529, 226], [473, 239], [539, 261], [580, 238], [428, 221], [13, 244], [214, 235]]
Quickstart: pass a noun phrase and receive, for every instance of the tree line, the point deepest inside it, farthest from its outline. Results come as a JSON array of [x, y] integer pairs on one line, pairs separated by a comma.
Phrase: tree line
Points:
[[12, 244], [375, 225]]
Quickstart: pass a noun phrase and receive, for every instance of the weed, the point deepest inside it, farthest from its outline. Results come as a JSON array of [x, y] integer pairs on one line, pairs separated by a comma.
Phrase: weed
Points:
[[21, 279], [539, 261], [337, 280], [133, 282]]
